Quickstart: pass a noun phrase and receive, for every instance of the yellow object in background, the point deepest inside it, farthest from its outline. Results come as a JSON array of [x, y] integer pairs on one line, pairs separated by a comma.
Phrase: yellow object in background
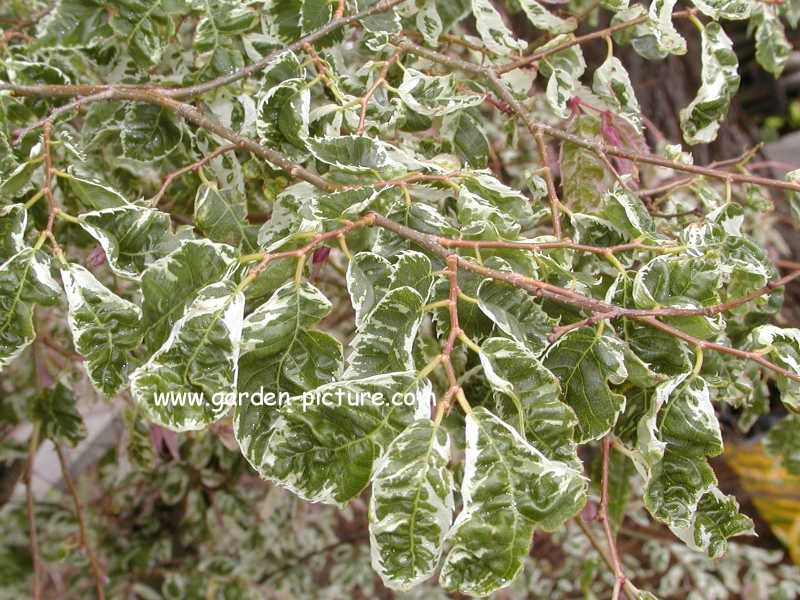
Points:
[[774, 492]]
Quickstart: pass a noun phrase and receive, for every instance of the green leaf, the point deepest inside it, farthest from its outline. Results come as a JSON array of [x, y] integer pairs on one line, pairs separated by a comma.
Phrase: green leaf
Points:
[[429, 23], [198, 362], [687, 422], [620, 479], [291, 308], [563, 70], [679, 430], [586, 362], [145, 28], [324, 450], [784, 440], [216, 35], [481, 218], [612, 83], [94, 195], [13, 221], [385, 22], [495, 34], [149, 132], [368, 280], [514, 205], [516, 313], [359, 154], [132, 237], [385, 339], [528, 394], [781, 346], [19, 181], [281, 358], [138, 446], [103, 326], [314, 14], [584, 177], [172, 282], [75, 23], [348, 204], [283, 113], [541, 18], [370, 277], [54, 408], [725, 9], [720, 80], [675, 486], [466, 136], [508, 487], [25, 280], [628, 213], [308, 360], [772, 47], [667, 38], [434, 96], [676, 282], [656, 37], [411, 505], [222, 216], [717, 518]]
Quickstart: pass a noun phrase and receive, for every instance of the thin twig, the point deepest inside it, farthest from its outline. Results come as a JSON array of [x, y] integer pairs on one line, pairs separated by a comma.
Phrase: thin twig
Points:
[[33, 446], [47, 189], [594, 35], [99, 578], [322, 70], [602, 516], [548, 178], [454, 389], [379, 80], [170, 177], [631, 591]]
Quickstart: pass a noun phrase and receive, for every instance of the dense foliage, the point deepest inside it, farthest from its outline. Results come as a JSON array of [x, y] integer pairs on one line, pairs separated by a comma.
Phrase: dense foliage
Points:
[[536, 300]]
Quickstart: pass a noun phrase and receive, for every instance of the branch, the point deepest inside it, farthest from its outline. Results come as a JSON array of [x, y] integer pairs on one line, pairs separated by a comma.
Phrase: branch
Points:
[[594, 35], [194, 90], [503, 92], [599, 308], [186, 111]]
